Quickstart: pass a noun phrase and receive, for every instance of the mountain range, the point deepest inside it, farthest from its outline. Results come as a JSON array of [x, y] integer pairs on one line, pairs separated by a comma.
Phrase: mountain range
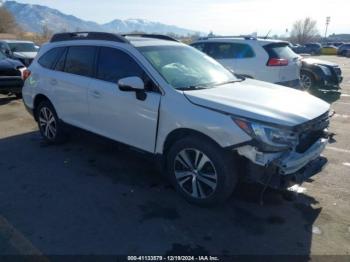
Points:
[[33, 18]]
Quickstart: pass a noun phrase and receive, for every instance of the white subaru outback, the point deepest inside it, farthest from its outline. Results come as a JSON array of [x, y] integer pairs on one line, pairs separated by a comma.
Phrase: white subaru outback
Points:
[[168, 99]]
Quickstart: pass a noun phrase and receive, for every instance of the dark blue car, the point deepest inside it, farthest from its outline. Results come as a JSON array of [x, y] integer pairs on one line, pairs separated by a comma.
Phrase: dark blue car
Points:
[[310, 48]]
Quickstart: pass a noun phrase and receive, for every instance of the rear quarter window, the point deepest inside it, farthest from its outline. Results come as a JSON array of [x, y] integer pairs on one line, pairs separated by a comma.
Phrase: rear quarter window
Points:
[[280, 50], [49, 59]]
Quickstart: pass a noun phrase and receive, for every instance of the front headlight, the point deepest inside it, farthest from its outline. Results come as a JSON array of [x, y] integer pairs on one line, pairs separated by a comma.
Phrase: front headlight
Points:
[[325, 70], [272, 138]]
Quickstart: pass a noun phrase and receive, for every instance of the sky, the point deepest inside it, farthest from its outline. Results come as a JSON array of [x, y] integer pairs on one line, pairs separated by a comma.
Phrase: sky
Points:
[[225, 17]]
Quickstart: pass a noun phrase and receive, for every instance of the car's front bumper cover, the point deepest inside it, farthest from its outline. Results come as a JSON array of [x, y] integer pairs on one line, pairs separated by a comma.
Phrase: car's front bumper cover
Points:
[[282, 170], [293, 83]]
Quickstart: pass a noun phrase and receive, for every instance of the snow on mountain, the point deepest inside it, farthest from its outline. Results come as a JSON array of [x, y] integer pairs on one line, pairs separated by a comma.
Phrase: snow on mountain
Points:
[[34, 18]]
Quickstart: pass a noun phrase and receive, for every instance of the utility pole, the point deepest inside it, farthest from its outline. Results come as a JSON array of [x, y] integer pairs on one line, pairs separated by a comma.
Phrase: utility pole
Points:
[[328, 20]]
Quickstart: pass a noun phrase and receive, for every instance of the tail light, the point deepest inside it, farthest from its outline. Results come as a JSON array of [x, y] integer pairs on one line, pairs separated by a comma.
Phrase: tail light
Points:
[[26, 74], [277, 62]]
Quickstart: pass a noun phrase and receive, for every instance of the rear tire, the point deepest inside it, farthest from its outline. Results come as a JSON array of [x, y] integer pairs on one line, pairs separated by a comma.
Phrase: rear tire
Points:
[[202, 172], [49, 124]]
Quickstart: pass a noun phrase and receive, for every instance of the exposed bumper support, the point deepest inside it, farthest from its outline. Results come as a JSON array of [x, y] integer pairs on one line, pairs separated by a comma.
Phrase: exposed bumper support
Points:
[[294, 161], [281, 170]]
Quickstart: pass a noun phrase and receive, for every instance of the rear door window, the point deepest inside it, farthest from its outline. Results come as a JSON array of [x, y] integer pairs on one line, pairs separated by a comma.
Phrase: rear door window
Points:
[[49, 59], [229, 50], [80, 60]]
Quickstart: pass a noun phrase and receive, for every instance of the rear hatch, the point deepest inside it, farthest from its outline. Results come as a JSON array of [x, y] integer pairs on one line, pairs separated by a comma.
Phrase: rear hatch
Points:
[[283, 57]]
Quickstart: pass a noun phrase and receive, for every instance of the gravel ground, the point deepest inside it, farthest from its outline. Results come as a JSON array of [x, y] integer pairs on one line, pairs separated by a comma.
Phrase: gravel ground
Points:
[[94, 196]]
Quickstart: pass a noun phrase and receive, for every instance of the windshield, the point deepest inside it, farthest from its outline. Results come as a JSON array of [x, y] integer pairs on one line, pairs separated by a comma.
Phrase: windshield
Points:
[[185, 68], [22, 47]]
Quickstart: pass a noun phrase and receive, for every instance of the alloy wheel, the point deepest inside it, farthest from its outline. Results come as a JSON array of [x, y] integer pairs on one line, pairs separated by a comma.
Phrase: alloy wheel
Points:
[[195, 173], [306, 82], [47, 123]]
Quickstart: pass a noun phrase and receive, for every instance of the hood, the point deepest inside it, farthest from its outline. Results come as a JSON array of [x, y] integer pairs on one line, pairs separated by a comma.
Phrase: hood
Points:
[[25, 55], [318, 62], [10, 64], [261, 101], [9, 67]]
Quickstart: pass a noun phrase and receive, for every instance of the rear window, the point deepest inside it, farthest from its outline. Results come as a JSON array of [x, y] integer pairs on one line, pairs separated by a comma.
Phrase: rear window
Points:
[[229, 50], [49, 59], [199, 46], [280, 50], [22, 47], [80, 60]]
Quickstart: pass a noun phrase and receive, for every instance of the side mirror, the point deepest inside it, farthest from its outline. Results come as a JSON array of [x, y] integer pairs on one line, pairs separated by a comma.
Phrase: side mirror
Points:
[[133, 84]]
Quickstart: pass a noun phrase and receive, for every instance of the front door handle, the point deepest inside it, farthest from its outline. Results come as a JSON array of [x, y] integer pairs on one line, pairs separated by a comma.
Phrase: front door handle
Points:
[[96, 94]]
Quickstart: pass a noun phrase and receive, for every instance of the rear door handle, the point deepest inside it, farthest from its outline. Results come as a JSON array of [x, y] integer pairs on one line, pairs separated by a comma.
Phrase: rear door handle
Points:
[[53, 82], [96, 94]]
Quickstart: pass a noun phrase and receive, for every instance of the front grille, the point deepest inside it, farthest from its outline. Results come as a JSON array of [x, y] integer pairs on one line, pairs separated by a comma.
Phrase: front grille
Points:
[[311, 131]]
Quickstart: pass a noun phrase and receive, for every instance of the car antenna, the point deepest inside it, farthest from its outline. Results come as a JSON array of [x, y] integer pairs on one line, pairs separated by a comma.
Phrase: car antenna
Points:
[[267, 34]]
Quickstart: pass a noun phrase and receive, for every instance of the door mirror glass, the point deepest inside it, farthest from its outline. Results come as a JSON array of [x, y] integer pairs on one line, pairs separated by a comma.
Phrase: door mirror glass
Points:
[[133, 83]]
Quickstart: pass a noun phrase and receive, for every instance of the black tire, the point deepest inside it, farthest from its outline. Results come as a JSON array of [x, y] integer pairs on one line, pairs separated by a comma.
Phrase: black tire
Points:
[[18, 95], [307, 81], [220, 162], [54, 132]]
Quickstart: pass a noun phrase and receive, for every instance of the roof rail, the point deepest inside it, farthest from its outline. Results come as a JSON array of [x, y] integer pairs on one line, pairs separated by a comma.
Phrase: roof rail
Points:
[[88, 36], [246, 37], [156, 36]]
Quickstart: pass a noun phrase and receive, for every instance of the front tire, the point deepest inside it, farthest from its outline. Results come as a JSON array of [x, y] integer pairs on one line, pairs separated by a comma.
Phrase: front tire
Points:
[[49, 124], [307, 81], [18, 95], [201, 171]]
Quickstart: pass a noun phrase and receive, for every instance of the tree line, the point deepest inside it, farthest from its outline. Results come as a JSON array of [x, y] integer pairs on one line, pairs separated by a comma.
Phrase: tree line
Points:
[[8, 25]]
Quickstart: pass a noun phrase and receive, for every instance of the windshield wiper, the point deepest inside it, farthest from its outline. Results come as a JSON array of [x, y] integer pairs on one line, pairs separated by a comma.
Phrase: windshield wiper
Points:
[[229, 82], [194, 87]]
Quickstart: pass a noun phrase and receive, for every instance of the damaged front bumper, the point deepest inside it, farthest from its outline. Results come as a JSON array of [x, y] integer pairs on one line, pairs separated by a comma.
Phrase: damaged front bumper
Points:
[[283, 169]]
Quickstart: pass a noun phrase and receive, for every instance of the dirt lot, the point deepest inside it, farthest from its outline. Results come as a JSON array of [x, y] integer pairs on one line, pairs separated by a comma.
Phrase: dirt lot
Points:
[[92, 196]]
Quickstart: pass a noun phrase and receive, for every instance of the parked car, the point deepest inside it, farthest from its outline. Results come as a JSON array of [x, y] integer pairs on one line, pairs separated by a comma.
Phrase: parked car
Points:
[[11, 76], [336, 44], [24, 51], [316, 73], [262, 59], [310, 48], [182, 107], [342, 50], [329, 50]]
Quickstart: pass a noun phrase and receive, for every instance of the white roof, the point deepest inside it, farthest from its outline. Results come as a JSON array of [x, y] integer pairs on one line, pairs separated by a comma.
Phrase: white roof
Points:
[[15, 41], [145, 41]]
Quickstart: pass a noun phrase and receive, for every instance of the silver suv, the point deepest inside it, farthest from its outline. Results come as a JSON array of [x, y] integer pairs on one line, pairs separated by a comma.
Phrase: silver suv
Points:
[[179, 105]]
